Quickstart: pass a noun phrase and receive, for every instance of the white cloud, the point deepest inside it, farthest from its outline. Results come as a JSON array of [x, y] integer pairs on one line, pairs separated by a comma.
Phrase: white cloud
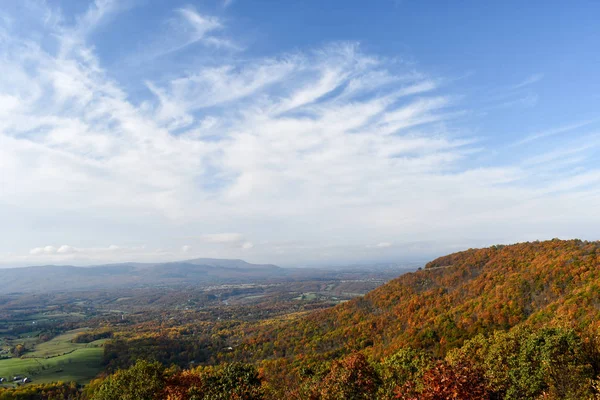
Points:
[[65, 249], [97, 12], [36, 251], [200, 28], [330, 147], [380, 245], [87, 255], [49, 249]]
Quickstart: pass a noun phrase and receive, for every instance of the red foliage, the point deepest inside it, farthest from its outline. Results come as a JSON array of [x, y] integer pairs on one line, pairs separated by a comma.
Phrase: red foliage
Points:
[[443, 382]]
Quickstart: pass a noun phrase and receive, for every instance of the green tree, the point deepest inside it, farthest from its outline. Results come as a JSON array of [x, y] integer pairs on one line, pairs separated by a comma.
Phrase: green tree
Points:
[[143, 381], [232, 382], [403, 366], [18, 350], [525, 363]]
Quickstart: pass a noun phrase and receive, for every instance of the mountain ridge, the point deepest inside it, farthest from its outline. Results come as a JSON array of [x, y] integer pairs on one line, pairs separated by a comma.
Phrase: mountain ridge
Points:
[[193, 271], [451, 300]]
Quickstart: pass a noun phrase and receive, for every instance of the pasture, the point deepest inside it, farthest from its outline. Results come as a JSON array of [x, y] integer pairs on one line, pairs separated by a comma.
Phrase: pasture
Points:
[[57, 360]]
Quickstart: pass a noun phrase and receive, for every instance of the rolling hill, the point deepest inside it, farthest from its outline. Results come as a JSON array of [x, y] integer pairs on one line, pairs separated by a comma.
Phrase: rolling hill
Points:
[[505, 322], [451, 300], [195, 272]]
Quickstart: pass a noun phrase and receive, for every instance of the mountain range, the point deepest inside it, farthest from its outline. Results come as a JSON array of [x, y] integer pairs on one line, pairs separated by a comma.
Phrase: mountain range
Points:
[[196, 271]]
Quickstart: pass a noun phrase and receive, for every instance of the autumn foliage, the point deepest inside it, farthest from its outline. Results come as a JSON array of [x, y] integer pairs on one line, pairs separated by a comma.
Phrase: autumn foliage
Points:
[[444, 381], [505, 322], [456, 297]]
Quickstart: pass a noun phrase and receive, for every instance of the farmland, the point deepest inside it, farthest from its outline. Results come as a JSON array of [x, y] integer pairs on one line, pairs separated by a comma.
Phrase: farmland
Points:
[[80, 366], [58, 359], [75, 336]]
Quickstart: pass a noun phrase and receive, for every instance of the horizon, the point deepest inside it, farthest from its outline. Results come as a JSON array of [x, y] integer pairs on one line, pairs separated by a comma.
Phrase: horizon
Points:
[[403, 264], [299, 135], [91, 264]]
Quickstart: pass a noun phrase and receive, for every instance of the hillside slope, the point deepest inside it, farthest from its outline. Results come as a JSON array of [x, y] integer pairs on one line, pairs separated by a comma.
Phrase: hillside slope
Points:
[[454, 298], [518, 322]]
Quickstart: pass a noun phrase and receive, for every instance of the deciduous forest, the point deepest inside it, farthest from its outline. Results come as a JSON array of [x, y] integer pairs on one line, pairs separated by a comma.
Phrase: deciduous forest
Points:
[[505, 322]]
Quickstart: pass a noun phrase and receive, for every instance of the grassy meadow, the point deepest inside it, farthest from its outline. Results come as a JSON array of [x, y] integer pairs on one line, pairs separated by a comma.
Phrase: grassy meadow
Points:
[[57, 360]]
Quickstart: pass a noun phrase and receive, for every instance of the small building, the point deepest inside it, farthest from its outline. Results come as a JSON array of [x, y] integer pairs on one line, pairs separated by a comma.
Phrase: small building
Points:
[[17, 378], [1, 380], [26, 380]]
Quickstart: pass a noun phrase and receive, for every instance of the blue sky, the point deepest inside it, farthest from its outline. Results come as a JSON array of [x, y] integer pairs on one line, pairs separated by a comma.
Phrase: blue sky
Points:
[[296, 132]]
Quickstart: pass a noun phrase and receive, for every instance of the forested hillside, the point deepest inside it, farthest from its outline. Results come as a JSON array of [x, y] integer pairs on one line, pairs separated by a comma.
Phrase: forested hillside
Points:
[[520, 308], [552, 283], [505, 322]]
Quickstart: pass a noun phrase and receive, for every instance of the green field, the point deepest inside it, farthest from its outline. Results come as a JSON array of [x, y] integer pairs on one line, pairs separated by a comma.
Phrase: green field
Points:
[[307, 296], [57, 360], [80, 366], [59, 346]]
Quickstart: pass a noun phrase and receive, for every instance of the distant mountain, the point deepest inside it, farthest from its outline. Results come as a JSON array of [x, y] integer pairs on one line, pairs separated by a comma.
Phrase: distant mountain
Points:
[[190, 272], [198, 271]]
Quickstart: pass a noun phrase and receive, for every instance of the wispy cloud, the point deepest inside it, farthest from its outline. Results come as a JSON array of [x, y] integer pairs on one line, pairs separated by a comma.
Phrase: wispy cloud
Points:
[[98, 12], [530, 80], [330, 147], [200, 28], [519, 95], [566, 153], [554, 131], [526, 100], [186, 28]]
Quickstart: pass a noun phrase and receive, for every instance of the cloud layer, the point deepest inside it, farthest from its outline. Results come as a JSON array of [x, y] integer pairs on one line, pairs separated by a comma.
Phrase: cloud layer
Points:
[[325, 155]]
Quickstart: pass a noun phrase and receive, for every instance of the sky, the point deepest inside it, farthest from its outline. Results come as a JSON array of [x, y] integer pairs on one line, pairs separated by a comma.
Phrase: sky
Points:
[[294, 132]]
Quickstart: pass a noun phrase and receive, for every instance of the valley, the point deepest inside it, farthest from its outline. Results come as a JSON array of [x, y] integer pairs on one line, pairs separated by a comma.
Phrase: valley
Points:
[[44, 336], [511, 322]]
